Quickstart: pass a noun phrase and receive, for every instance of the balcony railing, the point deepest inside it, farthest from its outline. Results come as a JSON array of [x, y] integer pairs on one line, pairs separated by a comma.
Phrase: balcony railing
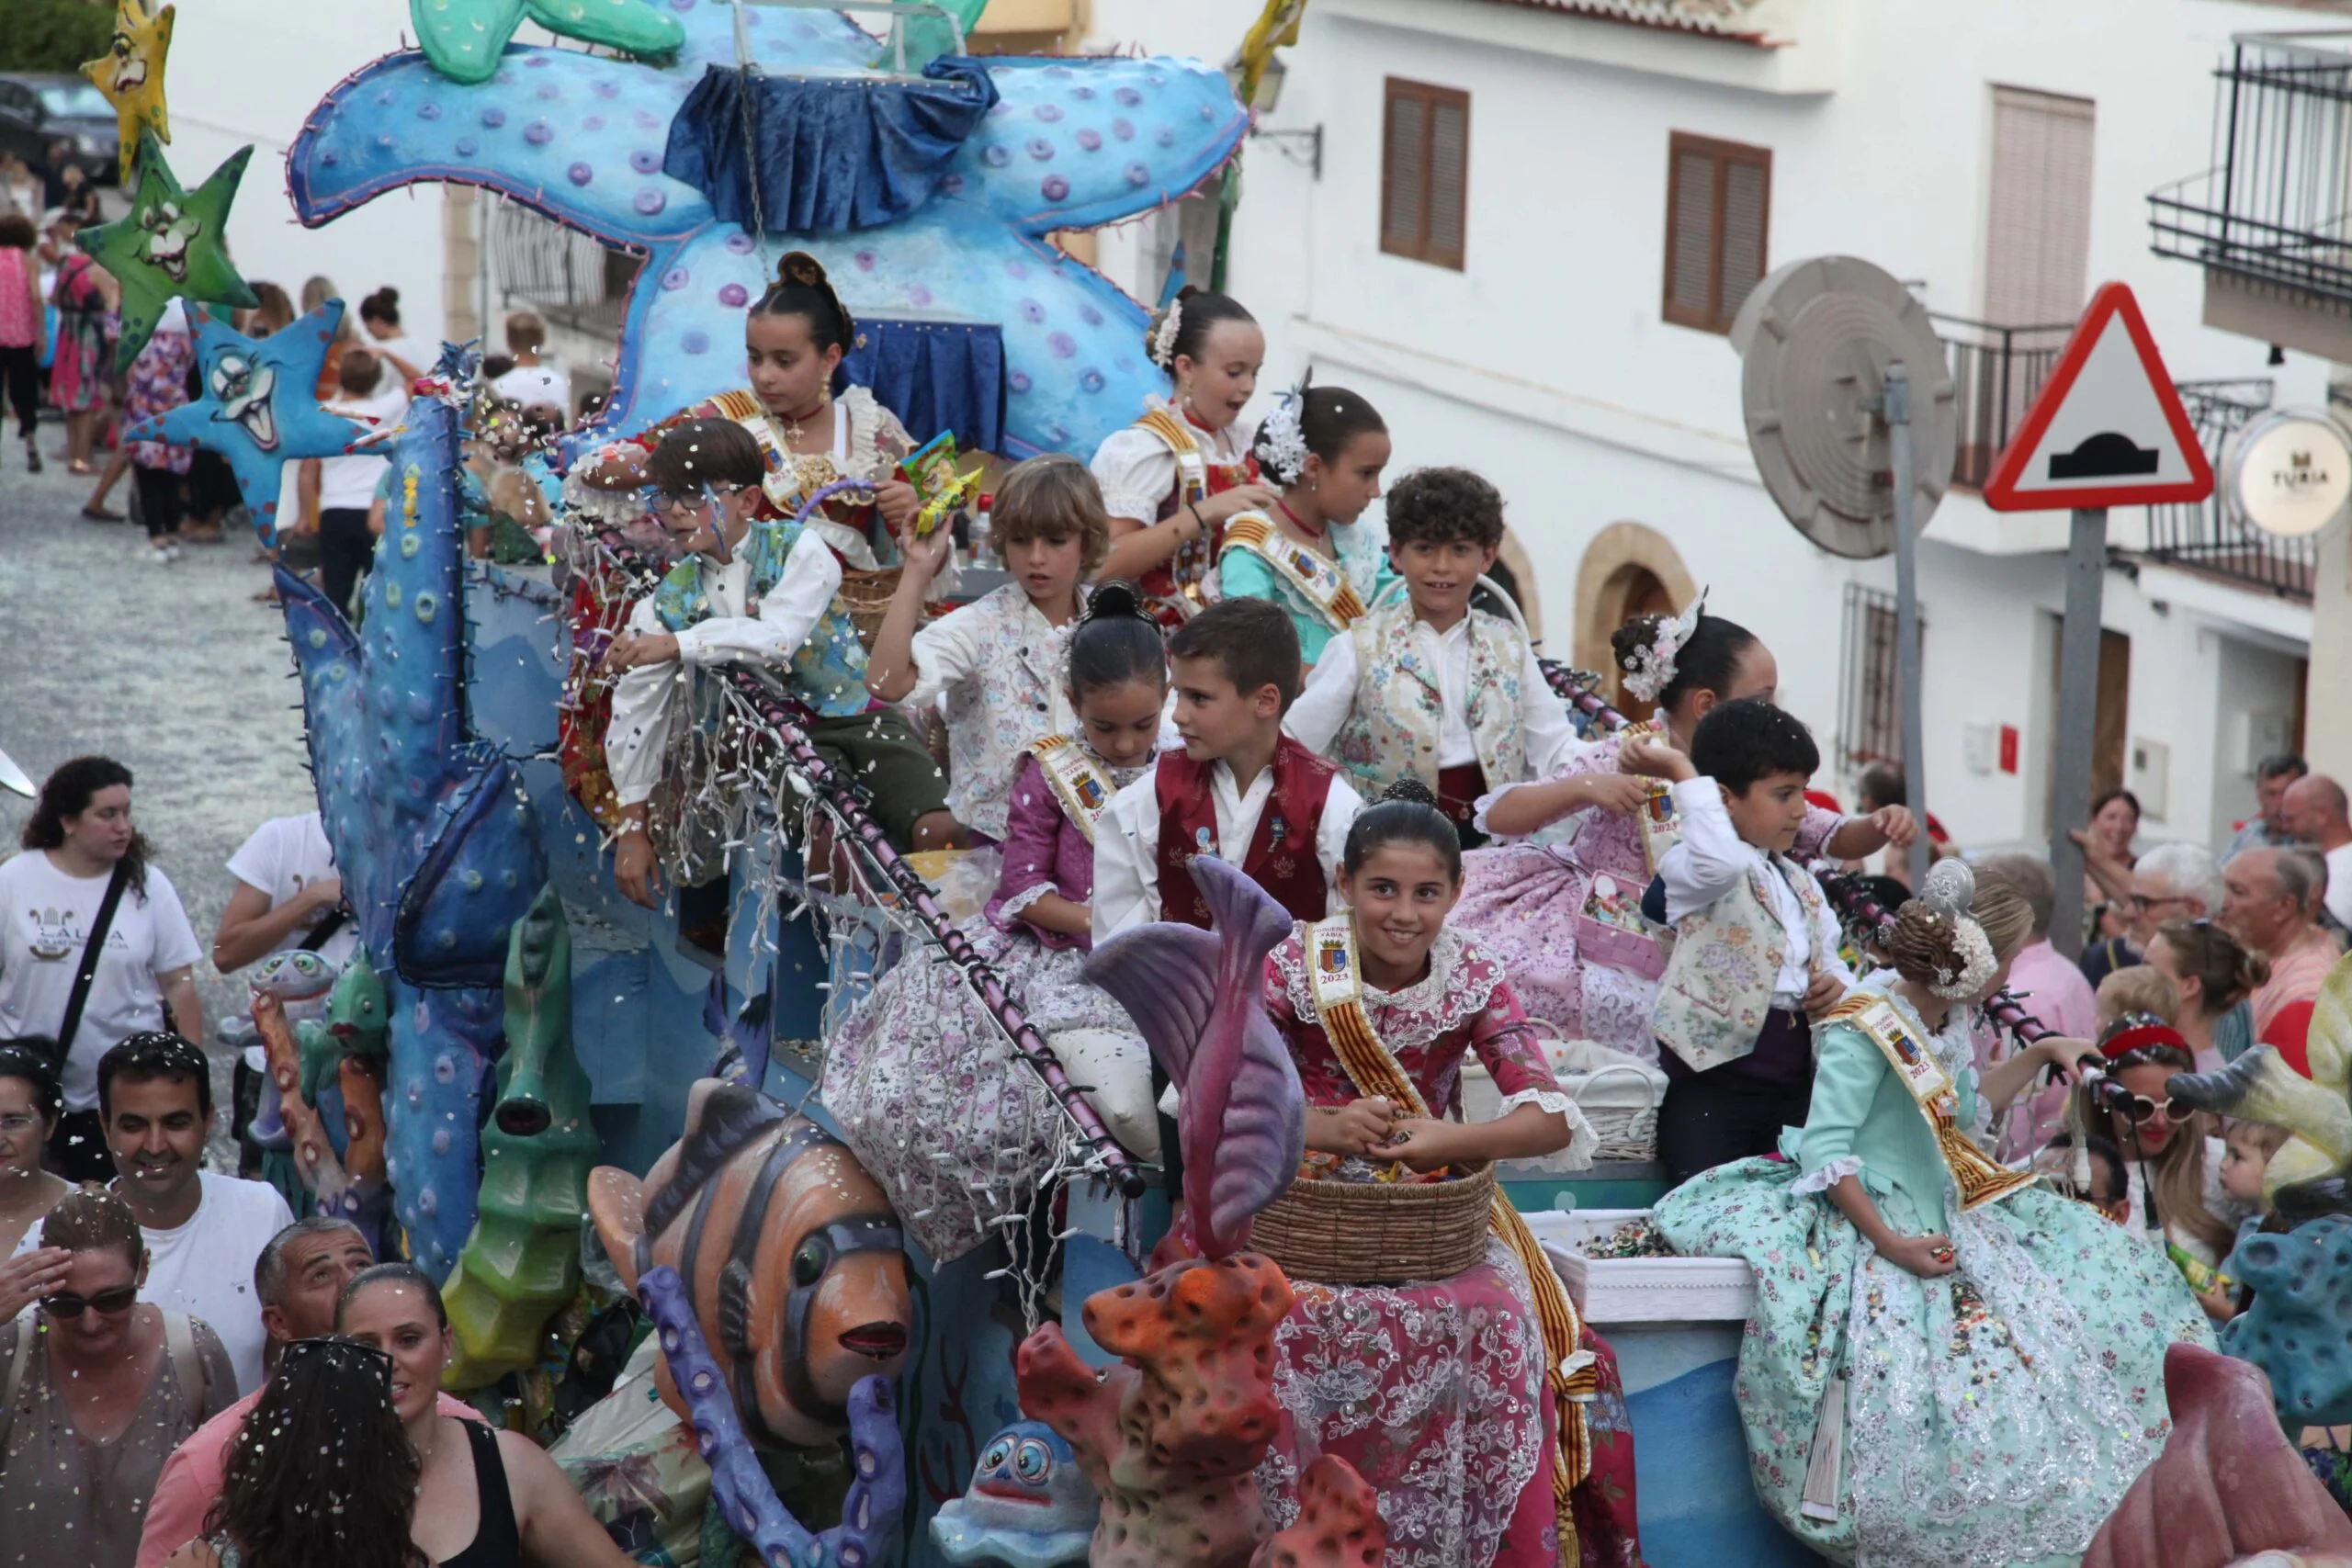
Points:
[[1995, 372], [568, 277], [2203, 537], [2272, 210]]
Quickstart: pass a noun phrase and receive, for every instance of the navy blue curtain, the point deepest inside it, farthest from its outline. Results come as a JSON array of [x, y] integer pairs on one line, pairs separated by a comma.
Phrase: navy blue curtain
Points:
[[935, 376], [834, 153]]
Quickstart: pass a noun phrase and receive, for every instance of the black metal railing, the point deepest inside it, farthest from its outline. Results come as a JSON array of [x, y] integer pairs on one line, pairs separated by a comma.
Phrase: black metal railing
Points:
[[2204, 537], [2274, 207], [571, 278], [1995, 371]]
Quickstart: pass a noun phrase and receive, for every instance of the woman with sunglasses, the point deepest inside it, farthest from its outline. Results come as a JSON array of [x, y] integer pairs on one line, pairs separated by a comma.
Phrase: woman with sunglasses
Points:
[[484, 1499], [321, 1473], [29, 1103], [2172, 1155], [100, 1389]]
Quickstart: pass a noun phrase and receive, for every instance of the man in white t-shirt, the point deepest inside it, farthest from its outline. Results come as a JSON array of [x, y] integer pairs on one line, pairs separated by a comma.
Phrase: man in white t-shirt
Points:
[[203, 1232], [287, 893], [533, 382]]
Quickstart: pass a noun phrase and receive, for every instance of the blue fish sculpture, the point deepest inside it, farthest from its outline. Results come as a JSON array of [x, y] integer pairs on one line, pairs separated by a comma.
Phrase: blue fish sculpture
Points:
[[1029, 1506], [431, 831]]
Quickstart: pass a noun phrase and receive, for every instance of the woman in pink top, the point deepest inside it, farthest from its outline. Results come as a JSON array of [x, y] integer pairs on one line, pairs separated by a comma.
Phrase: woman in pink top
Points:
[[22, 327]]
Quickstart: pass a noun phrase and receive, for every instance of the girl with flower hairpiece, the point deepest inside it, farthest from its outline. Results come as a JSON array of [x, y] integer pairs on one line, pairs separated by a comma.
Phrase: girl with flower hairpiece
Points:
[[1173, 479], [1326, 448], [1948, 1364], [1556, 895]]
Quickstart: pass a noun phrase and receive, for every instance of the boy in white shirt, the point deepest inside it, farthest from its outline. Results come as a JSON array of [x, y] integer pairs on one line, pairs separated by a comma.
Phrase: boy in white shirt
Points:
[[1756, 950], [338, 492]]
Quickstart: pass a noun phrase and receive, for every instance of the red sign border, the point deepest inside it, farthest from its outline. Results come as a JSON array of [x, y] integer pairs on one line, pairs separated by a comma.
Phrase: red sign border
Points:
[[2006, 490]]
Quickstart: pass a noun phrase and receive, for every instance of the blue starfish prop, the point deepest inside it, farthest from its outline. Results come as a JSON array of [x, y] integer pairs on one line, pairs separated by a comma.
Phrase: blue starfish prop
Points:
[[1071, 144], [430, 829], [259, 409], [464, 38]]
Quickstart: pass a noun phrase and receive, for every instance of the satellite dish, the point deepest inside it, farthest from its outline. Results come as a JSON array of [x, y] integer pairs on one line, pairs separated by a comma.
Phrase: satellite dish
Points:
[[2288, 473], [1816, 340]]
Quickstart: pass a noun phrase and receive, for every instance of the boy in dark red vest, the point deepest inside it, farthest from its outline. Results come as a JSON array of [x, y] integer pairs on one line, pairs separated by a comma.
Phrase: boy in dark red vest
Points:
[[1241, 789]]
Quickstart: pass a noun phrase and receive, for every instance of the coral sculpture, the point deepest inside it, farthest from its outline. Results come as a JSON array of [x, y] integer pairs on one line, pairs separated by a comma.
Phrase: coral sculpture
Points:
[[2295, 1329], [522, 1261], [430, 831], [1170, 1438], [584, 138], [2227, 1486], [1339, 1523]]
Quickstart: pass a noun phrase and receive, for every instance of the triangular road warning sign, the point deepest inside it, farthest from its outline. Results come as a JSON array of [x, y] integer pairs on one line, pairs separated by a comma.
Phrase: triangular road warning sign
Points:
[[2106, 428]]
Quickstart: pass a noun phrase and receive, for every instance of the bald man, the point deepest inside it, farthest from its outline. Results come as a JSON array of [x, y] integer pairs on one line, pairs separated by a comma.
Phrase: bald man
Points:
[[2270, 903], [2316, 813]]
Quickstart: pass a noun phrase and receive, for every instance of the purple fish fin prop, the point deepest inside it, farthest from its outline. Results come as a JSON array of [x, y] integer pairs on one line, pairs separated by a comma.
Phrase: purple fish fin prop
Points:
[[1197, 998]]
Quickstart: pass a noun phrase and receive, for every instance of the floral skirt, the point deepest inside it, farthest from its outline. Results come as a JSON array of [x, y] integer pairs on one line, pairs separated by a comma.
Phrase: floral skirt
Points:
[[1993, 1417], [1523, 905], [928, 1095]]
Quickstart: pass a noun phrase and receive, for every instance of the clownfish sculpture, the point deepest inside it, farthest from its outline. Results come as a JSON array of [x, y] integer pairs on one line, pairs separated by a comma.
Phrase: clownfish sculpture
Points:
[[789, 1253]]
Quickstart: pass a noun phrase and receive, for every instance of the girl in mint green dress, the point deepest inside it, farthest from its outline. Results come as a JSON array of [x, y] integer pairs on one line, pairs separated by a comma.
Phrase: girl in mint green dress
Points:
[[1325, 448], [1947, 1365]]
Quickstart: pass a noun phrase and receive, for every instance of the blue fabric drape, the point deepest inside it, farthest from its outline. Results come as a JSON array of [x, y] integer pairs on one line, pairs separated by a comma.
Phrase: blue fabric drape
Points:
[[834, 153], [935, 376]]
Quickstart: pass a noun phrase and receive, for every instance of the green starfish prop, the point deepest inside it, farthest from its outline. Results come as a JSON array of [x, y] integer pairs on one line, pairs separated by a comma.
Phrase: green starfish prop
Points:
[[464, 38], [169, 245]]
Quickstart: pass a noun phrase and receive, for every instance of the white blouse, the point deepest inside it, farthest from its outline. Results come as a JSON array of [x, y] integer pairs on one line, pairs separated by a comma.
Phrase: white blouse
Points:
[[1137, 472], [998, 662]]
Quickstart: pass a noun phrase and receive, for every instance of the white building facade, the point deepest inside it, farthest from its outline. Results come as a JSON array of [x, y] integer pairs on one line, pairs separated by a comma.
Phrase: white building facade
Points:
[[1484, 253]]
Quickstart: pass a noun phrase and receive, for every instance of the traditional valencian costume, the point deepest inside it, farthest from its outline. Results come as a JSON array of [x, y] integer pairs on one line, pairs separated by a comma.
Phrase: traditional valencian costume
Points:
[[1165, 461], [1446, 1395], [1993, 1416], [920, 1078], [1326, 592]]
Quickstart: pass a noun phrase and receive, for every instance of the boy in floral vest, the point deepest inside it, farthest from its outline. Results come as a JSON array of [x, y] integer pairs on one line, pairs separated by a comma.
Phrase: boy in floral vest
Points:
[[1755, 950], [1425, 685], [762, 593]]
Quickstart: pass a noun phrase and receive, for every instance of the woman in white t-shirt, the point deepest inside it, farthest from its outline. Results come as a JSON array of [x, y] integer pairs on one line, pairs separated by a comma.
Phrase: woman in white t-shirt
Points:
[[79, 835], [337, 492]]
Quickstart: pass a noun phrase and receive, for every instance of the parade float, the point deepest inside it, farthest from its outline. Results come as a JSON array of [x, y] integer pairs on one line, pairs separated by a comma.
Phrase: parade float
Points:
[[584, 1116]]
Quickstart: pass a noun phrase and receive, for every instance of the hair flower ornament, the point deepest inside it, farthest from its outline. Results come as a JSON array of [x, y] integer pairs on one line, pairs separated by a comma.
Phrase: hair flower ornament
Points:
[[1653, 668], [1281, 440], [1163, 341]]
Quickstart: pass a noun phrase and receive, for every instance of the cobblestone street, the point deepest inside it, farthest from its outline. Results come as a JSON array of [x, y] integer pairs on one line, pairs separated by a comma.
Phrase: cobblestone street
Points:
[[172, 670]]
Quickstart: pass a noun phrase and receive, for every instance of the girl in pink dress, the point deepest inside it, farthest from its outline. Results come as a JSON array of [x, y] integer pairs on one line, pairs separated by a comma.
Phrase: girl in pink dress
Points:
[[1435, 1391], [1555, 898]]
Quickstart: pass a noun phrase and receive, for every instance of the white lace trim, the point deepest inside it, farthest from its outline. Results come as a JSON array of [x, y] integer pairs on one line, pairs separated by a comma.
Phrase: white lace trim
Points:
[[1014, 905], [1582, 1139], [1828, 1176], [1428, 998]]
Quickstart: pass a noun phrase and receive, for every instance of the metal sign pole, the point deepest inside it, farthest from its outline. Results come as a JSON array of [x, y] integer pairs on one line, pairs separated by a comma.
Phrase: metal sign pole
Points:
[[1895, 409], [2078, 643]]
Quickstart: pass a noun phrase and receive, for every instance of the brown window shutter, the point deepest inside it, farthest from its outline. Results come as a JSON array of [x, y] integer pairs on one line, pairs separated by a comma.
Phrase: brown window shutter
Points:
[[1718, 224], [1425, 163]]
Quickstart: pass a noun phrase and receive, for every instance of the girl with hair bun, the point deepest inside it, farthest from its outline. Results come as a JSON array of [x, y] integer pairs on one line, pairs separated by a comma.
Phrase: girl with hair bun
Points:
[[1325, 446], [1954, 1365], [1172, 480], [918, 1077], [1555, 897], [1457, 1420]]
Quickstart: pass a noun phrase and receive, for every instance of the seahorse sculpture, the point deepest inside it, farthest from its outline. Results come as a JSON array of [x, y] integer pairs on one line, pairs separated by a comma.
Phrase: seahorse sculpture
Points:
[[522, 1264], [431, 831]]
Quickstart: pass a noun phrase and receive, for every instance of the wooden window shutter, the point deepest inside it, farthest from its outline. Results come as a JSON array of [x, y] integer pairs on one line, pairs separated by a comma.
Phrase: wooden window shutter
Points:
[[1718, 228], [2038, 237], [1425, 173]]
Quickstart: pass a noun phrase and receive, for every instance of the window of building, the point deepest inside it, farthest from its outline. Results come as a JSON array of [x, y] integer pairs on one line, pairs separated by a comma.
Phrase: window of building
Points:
[[1425, 173], [1869, 686], [1718, 215]]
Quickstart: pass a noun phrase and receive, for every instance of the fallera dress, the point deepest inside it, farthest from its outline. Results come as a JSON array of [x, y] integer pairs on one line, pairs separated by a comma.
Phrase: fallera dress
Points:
[[1994, 1416]]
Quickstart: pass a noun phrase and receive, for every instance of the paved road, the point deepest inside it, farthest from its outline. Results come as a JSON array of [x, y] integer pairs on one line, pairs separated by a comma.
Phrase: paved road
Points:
[[171, 670]]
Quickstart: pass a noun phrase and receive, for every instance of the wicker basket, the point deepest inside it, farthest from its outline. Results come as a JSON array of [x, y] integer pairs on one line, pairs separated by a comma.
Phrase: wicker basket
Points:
[[1367, 1233], [1620, 1133], [866, 595]]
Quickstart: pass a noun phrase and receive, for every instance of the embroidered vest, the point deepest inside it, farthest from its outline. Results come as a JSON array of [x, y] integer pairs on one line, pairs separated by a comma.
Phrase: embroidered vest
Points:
[[1720, 978], [1080, 788], [1176, 592], [793, 477], [827, 672], [1317, 582], [1392, 729], [1280, 856]]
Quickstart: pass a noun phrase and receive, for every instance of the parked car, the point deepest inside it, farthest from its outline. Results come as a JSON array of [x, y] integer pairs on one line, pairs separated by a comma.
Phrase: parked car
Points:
[[36, 110]]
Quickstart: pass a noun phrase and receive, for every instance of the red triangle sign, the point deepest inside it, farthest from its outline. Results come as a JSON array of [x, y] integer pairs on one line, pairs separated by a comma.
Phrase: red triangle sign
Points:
[[2106, 428]]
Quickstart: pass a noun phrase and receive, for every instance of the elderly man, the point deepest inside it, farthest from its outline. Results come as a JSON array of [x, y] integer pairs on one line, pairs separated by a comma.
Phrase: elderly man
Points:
[[2270, 828], [2171, 882], [2317, 814], [298, 1278], [2271, 905]]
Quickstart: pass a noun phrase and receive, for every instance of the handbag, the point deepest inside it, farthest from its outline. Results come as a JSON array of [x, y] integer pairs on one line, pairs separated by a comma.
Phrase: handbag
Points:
[[86, 970]]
